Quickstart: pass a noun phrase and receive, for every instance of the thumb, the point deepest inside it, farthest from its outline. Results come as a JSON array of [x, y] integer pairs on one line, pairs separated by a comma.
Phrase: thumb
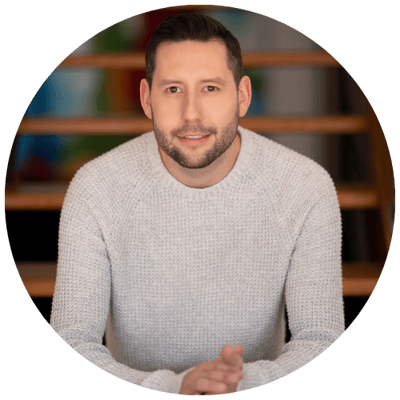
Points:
[[238, 349], [232, 355]]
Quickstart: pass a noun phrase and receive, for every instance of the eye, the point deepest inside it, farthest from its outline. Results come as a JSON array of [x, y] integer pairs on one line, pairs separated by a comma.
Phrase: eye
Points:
[[210, 88], [173, 89]]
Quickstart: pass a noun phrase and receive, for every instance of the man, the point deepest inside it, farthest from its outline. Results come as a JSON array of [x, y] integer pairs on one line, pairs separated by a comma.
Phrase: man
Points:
[[191, 237]]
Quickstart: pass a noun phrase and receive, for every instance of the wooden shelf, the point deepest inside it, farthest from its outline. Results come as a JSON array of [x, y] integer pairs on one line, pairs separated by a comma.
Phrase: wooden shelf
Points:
[[351, 124], [42, 197], [38, 277], [358, 279], [289, 59], [357, 196], [36, 197], [348, 124], [136, 61], [35, 202], [39, 287]]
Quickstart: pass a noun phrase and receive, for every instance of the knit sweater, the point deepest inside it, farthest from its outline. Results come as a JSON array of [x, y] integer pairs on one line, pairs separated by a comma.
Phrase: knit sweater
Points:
[[171, 273]]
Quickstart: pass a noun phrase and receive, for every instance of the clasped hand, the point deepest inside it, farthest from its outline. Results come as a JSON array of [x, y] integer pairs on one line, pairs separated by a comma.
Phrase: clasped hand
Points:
[[218, 376]]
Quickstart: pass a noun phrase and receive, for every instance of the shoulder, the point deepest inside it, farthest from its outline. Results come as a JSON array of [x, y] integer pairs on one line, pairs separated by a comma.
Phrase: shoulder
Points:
[[287, 176], [291, 183], [114, 170]]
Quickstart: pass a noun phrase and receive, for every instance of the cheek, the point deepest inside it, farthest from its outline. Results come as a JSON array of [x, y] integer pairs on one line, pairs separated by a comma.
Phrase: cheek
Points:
[[221, 112], [166, 114]]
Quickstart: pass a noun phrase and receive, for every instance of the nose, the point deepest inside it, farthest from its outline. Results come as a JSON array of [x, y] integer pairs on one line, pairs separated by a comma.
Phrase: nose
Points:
[[191, 108]]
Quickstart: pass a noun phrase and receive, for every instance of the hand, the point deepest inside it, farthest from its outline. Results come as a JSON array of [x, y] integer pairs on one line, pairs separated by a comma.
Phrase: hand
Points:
[[218, 376]]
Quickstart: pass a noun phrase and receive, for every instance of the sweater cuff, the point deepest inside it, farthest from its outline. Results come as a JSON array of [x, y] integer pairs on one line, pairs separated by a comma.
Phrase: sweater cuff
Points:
[[259, 373], [251, 377]]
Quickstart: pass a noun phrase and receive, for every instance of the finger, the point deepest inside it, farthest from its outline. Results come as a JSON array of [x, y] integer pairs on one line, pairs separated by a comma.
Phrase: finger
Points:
[[228, 350], [231, 357], [238, 349], [228, 377], [222, 366], [234, 378], [210, 386], [236, 361], [226, 353]]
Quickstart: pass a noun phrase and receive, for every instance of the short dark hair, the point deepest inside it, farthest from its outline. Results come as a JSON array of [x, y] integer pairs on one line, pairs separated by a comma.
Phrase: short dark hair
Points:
[[195, 27]]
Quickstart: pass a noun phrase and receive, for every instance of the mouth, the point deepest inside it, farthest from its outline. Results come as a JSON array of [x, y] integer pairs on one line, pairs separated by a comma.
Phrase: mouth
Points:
[[193, 140]]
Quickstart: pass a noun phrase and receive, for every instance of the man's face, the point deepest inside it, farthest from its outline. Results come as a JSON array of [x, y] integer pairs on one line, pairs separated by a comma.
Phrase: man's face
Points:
[[193, 102]]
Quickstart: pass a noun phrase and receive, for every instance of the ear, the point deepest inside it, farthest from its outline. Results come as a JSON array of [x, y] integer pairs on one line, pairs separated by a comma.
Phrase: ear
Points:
[[145, 98], [244, 95]]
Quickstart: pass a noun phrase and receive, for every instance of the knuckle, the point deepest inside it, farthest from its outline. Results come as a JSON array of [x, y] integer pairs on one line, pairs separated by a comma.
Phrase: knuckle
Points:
[[202, 385], [219, 387], [235, 377], [217, 375], [202, 366]]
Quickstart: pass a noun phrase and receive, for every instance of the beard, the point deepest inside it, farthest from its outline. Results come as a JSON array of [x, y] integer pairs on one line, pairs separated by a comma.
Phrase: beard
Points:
[[189, 159]]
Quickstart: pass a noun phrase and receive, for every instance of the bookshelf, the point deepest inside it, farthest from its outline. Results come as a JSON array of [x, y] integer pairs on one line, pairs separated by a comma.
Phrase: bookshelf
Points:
[[375, 194]]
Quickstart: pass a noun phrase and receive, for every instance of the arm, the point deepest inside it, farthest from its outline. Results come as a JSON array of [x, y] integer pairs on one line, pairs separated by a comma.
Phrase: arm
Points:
[[313, 293], [82, 293]]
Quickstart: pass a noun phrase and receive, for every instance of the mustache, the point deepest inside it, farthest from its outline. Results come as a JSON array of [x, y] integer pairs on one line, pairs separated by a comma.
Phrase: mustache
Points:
[[198, 128]]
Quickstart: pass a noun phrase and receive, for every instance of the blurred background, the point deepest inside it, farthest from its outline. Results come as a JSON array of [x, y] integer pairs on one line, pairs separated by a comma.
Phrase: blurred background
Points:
[[302, 98]]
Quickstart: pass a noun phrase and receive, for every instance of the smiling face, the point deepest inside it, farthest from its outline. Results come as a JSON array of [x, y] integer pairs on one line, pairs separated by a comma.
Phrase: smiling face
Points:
[[194, 102]]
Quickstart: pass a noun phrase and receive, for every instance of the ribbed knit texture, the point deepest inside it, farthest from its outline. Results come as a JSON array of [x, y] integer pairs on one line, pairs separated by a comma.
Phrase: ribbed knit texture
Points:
[[172, 273]]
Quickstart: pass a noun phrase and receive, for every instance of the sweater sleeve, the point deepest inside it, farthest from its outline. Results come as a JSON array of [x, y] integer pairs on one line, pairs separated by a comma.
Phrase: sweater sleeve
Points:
[[313, 293], [82, 294]]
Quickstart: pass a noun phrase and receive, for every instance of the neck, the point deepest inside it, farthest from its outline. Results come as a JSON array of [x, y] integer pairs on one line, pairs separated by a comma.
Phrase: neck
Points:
[[207, 176]]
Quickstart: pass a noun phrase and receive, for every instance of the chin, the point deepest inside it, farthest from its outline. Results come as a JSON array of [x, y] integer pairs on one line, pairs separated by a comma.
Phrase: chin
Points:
[[189, 163]]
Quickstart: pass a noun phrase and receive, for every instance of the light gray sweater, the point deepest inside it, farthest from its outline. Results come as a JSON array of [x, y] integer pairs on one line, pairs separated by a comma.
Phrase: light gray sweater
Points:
[[172, 273]]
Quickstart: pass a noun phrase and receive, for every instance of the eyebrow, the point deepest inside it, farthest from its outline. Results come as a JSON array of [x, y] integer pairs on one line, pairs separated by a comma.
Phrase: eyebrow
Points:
[[165, 82], [214, 80]]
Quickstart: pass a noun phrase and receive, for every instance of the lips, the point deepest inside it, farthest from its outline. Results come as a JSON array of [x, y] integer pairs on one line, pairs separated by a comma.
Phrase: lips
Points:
[[193, 136], [193, 140]]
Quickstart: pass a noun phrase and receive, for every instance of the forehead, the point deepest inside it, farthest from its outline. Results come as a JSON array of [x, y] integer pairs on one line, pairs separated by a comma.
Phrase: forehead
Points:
[[191, 57]]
